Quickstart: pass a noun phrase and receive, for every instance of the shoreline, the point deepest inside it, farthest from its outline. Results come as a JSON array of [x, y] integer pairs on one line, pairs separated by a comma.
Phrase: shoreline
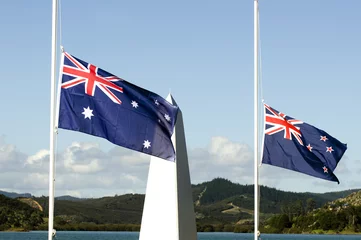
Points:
[[18, 230]]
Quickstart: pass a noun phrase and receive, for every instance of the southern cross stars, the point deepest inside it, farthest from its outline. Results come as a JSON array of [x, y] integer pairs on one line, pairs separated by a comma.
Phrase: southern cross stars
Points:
[[134, 104], [146, 144], [324, 138], [309, 147], [167, 117], [325, 170], [329, 149], [88, 113]]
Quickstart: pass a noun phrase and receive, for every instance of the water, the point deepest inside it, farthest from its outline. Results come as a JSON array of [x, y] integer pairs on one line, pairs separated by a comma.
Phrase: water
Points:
[[43, 235]]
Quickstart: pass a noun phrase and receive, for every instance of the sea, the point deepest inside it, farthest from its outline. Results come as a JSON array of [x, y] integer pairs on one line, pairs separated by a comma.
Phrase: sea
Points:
[[64, 235]]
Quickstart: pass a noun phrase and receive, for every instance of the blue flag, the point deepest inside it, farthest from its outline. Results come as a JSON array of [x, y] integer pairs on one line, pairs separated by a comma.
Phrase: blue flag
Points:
[[98, 103], [298, 146]]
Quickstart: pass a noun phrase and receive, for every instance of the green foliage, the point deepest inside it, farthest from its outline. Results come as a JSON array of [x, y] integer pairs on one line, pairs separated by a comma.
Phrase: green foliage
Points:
[[337, 220], [243, 228], [219, 189], [208, 228], [293, 209], [310, 205], [272, 199], [93, 227], [217, 196], [228, 228], [279, 222], [219, 227], [214, 214], [220, 205], [124, 209], [16, 214]]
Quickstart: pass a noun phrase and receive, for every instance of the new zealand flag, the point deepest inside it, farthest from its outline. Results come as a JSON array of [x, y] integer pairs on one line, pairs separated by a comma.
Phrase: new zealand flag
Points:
[[298, 146]]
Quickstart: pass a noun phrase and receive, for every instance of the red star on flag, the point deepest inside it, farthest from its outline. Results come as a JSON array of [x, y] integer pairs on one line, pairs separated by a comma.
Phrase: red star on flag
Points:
[[324, 138], [329, 149]]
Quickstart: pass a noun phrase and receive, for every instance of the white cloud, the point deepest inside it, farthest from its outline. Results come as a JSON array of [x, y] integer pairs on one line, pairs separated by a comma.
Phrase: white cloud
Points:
[[35, 181], [86, 170], [226, 152], [38, 158], [11, 160], [221, 158], [82, 158]]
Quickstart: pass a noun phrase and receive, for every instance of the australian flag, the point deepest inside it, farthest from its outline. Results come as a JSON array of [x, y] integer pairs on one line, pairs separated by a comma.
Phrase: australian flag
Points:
[[298, 146], [101, 104]]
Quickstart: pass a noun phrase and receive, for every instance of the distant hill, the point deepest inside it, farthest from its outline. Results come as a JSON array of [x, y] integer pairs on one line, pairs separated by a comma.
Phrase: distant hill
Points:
[[220, 200], [220, 205], [119, 209], [216, 202], [28, 195], [70, 198], [15, 195]]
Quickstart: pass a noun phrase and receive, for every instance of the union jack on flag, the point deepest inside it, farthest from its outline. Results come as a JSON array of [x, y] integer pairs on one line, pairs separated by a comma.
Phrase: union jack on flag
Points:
[[298, 146], [91, 76], [278, 122], [98, 103]]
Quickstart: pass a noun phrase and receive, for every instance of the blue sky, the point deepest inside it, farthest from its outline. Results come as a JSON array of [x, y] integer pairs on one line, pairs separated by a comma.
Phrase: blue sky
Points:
[[201, 51]]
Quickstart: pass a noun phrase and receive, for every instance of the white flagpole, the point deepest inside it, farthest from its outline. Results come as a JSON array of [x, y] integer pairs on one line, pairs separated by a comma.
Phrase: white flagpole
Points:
[[256, 202], [52, 120]]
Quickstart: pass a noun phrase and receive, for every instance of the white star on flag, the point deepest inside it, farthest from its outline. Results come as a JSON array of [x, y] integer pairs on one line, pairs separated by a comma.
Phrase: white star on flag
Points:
[[156, 102], [329, 149], [146, 144], [324, 138], [134, 104], [88, 113], [325, 170], [309, 147], [167, 117]]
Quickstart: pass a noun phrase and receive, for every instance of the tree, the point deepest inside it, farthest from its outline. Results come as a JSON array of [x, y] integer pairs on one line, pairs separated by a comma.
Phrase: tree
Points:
[[298, 208], [328, 220], [280, 222], [310, 204], [293, 209]]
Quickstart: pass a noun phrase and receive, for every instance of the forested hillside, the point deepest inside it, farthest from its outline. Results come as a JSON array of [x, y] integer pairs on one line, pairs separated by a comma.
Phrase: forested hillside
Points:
[[219, 205], [16, 214], [340, 216]]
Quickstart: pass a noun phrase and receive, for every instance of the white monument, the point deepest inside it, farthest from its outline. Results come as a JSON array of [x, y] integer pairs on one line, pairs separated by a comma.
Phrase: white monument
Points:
[[168, 212]]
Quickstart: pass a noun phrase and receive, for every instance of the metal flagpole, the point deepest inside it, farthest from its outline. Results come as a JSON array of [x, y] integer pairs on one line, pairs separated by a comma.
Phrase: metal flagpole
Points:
[[256, 202], [52, 120]]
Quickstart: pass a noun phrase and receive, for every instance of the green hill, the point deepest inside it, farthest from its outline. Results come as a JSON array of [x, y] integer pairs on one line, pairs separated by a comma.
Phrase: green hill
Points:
[[219, 206], [342, 215], [221, 201], [216, 202], [126, 209], [15, 214]]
